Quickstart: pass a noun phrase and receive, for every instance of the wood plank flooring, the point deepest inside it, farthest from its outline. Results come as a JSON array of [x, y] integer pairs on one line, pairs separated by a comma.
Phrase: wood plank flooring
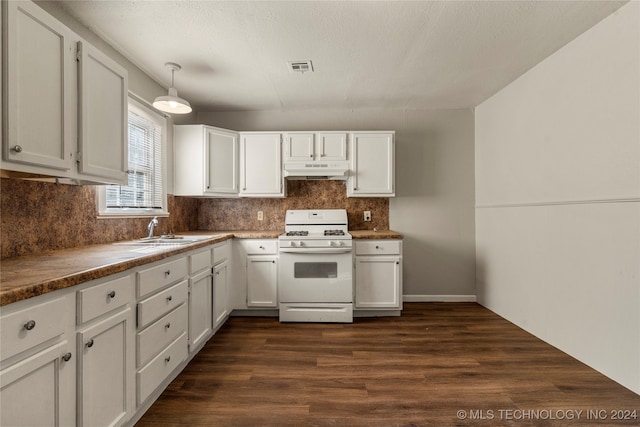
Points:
[[419, 369]]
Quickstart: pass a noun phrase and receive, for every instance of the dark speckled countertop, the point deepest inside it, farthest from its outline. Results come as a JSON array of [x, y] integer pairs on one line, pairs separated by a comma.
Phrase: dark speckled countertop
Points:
[[32, 275]]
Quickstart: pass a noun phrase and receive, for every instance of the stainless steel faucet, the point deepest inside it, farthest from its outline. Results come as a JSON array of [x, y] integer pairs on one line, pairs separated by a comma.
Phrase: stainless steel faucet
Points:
[[153, 224]]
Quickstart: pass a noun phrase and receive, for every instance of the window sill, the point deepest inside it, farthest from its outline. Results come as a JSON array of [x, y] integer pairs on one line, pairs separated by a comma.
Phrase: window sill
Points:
[[132, 215]]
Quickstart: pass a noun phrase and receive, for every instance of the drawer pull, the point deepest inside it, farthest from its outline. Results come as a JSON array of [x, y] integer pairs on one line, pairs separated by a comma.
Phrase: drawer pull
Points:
[[112, 294], [169, 298], [167, 273], [167, 359], [168, 325], [66, 357], [89, 343], [377, 247], [30, 325], [260, 247]]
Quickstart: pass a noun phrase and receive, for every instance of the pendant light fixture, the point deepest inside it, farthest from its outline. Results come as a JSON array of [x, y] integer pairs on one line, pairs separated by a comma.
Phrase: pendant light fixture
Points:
[[172, 103]]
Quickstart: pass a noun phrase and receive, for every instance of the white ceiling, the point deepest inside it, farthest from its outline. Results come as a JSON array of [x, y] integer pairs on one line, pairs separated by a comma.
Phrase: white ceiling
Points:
[[394, 54]]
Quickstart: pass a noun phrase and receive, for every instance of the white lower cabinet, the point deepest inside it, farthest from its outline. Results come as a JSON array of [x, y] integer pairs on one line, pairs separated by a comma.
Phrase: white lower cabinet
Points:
[[220, 295], [262, 281], [105, 371], [378, 274], [200, 308], [37, 367]]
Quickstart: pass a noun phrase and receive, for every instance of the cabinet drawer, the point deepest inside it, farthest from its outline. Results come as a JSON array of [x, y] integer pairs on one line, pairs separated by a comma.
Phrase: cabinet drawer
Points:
[[156, 371], [260, 246], [158, 335], [221, 253], [378, 247], [31, 326], [97, 300], [162, 275], [156, 306], [200, 261]]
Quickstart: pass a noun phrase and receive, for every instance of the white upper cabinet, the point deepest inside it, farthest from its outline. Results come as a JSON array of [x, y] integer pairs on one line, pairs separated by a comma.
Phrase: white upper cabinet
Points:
[[206, 161], [261, 165], [40, 81], [307, 146], [372, 157], [65, 102], [102, 121]]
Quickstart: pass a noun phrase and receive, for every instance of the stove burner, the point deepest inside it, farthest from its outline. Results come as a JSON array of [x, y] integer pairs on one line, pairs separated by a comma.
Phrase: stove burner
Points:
[[297, 233], [334, 232]]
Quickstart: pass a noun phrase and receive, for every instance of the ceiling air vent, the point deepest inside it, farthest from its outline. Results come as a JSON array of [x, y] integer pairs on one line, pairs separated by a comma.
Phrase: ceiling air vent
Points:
[[300, 66]]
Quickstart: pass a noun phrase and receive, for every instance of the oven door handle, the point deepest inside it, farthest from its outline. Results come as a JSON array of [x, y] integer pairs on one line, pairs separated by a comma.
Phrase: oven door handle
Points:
[[316, 250]]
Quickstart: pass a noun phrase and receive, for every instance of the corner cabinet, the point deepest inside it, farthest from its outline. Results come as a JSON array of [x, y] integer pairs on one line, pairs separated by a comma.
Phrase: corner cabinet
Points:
[[261, 165], [65, 102], [372, 156], [378, 275], [206, 161]]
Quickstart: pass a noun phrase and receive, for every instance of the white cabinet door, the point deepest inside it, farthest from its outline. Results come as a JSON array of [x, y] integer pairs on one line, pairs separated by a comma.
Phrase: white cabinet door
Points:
[[105, 370], [262, 281], [40, 390], [220, 295], [39, 89], [378, 282], [372, 165], [299, 146], [331, 146], [261, 165], [200, 308], [102, 120], [221, 168]]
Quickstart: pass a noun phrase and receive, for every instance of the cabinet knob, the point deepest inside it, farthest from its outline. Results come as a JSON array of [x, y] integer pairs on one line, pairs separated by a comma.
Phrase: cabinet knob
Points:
[[169, 298], [17, 149], [261, 247], [112, 294], [217, 273], [66, 357], [377, 247], [168, 325], [273, 262], [311, 155], [167, 273], [167, 359], [89, 343], [397, 262], [30, 325]]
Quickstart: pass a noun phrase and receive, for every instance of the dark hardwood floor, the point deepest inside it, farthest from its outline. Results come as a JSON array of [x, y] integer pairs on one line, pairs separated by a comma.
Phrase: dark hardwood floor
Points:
[[419, 369]]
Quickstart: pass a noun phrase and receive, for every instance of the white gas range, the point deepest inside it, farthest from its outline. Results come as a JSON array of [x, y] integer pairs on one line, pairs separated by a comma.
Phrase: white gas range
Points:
[[315, 267]]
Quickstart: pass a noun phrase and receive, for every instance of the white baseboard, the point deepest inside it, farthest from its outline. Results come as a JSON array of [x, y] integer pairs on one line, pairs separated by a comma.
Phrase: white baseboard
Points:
[[439, 298]]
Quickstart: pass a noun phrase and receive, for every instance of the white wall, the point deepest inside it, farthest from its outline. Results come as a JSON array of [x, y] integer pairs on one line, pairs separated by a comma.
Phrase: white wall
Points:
[[558, 199], [434, 207]]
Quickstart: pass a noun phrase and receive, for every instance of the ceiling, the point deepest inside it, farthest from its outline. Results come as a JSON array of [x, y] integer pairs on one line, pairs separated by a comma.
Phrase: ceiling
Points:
[[392, 54]]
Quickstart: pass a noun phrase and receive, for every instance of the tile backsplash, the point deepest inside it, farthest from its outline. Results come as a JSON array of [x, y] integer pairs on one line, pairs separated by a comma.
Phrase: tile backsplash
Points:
[[42, 216]]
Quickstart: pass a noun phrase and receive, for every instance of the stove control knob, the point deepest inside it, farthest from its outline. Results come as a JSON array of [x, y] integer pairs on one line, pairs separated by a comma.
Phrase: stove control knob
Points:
[[300, 243], [292, 243], [340, 243]]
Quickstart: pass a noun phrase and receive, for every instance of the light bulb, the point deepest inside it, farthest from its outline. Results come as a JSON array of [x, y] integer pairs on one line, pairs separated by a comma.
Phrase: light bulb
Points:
[[173, 104]]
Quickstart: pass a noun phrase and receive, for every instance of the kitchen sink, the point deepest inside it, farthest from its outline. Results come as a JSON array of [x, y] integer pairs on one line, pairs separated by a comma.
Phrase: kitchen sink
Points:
[[165, 241]]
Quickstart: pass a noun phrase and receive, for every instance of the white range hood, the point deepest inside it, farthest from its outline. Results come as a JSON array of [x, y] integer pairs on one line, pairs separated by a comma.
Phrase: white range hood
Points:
[[316, 170]]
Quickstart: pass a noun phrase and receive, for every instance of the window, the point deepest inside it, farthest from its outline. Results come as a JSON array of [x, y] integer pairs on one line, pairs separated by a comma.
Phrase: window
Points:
[[145, 194]]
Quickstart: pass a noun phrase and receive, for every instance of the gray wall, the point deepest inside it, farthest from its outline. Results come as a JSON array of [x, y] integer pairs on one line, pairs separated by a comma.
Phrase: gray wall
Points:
[[434, 207], [558, 194]]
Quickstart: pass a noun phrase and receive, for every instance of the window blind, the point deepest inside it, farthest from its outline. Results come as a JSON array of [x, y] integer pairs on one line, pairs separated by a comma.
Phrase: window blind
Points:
[[144, 189]]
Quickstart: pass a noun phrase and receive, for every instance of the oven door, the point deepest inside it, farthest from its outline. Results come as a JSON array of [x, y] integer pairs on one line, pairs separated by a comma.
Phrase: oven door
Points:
[[315, 276]]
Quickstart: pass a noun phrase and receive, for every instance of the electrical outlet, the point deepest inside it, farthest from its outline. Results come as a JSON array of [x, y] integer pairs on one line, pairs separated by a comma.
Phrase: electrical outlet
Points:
[[367, 215], [260, 215]]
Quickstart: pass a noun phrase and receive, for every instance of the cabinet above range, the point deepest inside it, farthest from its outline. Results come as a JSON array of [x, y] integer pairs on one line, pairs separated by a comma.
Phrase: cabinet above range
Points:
[[208, 162]]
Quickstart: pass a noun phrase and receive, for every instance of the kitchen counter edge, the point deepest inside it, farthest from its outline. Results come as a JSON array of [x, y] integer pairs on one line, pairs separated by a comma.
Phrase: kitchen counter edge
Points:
[[29, 276]]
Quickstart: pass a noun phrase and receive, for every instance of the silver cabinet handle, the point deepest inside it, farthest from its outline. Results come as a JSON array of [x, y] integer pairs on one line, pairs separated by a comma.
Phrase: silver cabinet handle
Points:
[[167, 359], [30, 325], [89, 343], [169, 298], [112, 294], [66, 357], [17, 149]]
